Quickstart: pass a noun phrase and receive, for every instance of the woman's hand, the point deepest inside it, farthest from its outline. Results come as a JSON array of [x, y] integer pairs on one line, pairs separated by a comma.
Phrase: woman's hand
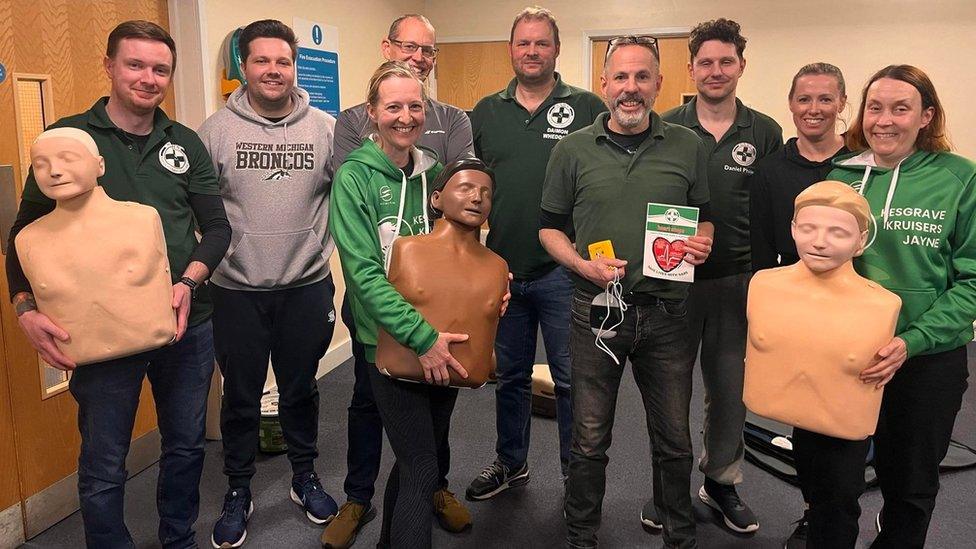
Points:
[[436, 360], [889, 360]]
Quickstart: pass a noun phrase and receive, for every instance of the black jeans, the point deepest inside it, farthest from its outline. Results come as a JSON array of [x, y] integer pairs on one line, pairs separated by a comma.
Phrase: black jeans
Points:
[[365, 428], [918, 411], [417, 417], [655, 338], [293, 327], [831, 472]]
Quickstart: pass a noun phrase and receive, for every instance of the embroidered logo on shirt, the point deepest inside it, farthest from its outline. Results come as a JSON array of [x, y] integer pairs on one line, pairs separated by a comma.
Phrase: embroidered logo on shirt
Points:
[[173, 158], [744, 154], [560, 115]]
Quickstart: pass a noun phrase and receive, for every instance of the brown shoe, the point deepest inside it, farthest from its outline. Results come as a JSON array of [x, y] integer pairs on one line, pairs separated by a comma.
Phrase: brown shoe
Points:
[[341, 532], [451, 513]]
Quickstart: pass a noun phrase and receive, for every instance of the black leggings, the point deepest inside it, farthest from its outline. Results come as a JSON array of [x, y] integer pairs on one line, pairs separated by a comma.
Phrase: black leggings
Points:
[[415, 416]]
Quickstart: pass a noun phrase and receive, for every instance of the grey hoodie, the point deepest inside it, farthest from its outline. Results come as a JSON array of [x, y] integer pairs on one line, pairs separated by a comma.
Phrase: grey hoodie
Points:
[[275, 179]]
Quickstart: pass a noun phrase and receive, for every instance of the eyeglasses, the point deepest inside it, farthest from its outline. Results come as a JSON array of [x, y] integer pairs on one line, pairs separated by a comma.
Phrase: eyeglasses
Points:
[[411, 48], [645, 40]]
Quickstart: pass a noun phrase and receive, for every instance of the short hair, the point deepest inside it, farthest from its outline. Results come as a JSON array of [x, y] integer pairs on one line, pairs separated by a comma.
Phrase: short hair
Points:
[[139, 29], [463, 164], [931, 138], [535, 13], [723, 30], [816, 69], [395, 26], [266, 28], [391, 69], [835, 195]]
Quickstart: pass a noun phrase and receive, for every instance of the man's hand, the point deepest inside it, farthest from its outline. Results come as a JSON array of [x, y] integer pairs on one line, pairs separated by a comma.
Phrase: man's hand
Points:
[[436, 360], [42, 331], [601, 270], [507, 297], [698, 248], [889, 359], [181, 305]]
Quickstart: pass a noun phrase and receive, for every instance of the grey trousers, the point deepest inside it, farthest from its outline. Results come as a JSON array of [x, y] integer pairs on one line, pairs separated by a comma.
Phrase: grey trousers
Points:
[[717, 319]]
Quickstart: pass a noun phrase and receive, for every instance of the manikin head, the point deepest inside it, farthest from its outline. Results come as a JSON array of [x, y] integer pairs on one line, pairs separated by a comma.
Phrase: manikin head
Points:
[[830, 225], [66, 163], [462, 192]]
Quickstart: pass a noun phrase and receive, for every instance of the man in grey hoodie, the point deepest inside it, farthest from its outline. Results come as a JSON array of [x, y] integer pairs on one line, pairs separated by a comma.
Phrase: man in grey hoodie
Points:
[[447, 137], [273, 292]]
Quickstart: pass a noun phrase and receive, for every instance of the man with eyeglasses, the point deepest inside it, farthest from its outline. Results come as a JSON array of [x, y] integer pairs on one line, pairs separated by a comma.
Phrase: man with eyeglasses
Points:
[[447, 136], [514, 132], [736, 137], [603, 177]]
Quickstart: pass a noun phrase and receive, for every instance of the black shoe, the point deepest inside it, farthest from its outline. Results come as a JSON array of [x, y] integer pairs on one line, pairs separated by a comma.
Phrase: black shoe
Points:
[[496, 478], [798, 539], [230, 530], [649, 516], [307, 492], [724, 499]]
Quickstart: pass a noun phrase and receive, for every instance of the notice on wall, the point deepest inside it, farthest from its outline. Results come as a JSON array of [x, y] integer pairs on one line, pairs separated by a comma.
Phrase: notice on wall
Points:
[[318, 63]]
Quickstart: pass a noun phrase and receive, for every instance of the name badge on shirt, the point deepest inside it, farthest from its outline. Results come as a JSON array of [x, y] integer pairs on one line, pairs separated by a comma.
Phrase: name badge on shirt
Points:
[[666, 229]]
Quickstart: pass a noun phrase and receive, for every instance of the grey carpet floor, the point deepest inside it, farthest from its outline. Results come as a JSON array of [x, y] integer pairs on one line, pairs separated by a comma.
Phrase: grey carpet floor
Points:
[[528, 517]]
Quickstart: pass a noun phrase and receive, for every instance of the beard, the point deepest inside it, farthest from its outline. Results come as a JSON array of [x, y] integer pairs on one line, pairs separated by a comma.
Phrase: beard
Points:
[[629, 120]]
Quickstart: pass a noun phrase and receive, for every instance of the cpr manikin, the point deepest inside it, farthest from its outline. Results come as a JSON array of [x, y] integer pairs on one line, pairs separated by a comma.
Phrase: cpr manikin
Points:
[[98, 267], [816, 324], [453, 281]]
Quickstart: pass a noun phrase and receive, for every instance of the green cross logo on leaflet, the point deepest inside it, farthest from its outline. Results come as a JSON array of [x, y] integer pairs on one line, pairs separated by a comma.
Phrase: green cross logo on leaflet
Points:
[[665, 231]]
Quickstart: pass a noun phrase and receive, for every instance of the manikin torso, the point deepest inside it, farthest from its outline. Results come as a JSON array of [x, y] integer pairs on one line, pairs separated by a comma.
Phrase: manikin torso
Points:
[[810, 335], [99, 269], [457, 285]]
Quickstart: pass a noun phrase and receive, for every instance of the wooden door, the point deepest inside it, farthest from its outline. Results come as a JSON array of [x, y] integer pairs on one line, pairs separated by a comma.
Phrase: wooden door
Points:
[[677, 83], [468, 71], [63, 41]]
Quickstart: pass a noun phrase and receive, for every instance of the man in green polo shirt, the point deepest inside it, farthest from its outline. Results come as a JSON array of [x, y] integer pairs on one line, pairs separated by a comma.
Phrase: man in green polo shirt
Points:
[[154, 161], [736, 137], [603, 177], [514, 132]]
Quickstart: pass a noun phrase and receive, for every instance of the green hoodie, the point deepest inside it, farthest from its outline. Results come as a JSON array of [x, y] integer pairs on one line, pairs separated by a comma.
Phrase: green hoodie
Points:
[[365, 207], [922, 243]]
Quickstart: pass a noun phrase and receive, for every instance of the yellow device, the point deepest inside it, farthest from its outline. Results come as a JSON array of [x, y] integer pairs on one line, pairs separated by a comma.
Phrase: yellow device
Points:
[[603, 248]]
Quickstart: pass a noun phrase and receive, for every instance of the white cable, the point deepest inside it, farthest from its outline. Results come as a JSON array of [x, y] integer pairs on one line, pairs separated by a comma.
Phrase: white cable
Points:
[[614, 291]]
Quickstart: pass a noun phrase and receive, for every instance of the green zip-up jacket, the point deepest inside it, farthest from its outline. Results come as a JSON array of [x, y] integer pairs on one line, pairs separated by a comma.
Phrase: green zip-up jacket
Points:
[[364, 212], [922, 243]]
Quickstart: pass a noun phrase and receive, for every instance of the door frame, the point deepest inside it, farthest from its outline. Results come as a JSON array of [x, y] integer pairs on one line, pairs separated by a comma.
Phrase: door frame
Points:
[[590, 35]]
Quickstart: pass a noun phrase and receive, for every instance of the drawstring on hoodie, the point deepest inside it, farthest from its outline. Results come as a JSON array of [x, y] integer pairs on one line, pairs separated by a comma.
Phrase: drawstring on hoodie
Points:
[[403, 200], [886, 210]]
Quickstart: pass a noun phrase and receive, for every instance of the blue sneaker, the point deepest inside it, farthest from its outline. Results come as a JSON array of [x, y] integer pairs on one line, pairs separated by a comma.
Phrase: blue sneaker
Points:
[[231, 527], [306, 490]]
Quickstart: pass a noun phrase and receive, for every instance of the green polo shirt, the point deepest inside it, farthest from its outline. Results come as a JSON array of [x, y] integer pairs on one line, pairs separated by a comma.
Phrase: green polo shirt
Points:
[[517, 145], [173, 164], [731, 161], [607, 189]]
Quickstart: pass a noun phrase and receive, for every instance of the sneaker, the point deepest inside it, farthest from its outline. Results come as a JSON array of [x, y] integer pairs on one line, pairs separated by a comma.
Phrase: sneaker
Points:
[[798, 539], [649, 516], [496, 478], [342, 530], [306, 490], [724, 499], [452, 515], [231, 527]]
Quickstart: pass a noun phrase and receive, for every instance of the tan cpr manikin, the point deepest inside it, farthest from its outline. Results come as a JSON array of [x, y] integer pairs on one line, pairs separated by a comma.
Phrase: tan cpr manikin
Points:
[[816, 324], [455, 282], [98, 267]]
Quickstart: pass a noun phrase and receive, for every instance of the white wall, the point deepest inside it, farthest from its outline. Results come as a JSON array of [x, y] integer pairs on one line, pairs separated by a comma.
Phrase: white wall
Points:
[[859, 36]]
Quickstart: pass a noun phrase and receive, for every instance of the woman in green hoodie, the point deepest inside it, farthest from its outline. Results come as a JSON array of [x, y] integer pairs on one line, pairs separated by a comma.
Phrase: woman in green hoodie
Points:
[[922, 246], [380, 193]]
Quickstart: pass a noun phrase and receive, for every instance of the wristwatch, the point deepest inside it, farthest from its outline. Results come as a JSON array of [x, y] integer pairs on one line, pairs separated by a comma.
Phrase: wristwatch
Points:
[[191, 284]]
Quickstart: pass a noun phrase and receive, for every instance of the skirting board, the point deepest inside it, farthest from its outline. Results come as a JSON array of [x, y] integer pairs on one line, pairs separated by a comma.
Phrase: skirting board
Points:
[[12, 526]]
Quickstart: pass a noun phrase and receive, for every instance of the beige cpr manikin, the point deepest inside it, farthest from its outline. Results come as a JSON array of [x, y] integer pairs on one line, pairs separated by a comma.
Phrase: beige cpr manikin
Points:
[[813, 330], [457, 285], [98, 267]]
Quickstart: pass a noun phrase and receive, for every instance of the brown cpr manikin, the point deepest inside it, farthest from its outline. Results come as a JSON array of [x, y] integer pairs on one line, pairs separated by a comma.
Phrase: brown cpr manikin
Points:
[[455, 282], [815, 325], [98, 267]]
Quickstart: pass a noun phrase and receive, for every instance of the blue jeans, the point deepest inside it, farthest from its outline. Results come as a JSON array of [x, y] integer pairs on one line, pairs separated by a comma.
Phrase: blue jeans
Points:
[[654, 336], [544, 302], [108, 396]]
